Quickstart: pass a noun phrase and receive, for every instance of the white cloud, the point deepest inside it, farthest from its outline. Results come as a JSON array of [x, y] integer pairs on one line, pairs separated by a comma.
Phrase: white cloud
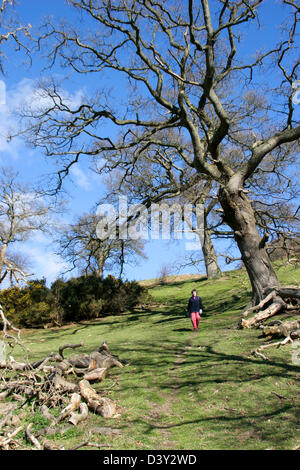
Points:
[[25, 95], [43, 263], [81, 178]]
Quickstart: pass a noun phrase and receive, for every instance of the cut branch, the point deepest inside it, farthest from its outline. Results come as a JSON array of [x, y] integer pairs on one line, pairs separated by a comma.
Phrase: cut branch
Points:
[[99, 405], [277, 305]]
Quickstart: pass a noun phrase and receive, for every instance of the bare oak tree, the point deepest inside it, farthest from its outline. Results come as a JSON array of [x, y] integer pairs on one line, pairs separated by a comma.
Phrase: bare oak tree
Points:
[[188, 72]]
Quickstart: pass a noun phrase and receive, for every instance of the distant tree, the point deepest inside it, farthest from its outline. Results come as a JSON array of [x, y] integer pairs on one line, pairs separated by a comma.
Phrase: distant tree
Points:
[[150, 182], [22, 212], [80, 245]]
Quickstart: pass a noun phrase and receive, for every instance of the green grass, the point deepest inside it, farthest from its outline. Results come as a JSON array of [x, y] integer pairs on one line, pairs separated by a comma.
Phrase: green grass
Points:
[[187, 391]]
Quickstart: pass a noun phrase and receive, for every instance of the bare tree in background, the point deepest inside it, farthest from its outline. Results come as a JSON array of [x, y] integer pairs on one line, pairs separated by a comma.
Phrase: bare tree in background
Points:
[[153, 181], [188, 71], [82, 248], [22, 213]]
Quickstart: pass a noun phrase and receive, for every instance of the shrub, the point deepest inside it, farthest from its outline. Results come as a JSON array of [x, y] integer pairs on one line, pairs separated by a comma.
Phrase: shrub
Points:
[[80, 298], [30, 306], [88, 297]]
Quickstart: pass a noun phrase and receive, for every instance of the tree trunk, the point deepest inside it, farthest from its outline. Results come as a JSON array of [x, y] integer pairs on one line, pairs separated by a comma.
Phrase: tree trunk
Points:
[[239, 215], [2, 261], [100, 266], [210, 258]]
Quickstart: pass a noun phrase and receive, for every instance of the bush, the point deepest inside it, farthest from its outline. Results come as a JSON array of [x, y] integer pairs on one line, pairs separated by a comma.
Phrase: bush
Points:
[[89, 297], [31, 306], [80, 298]]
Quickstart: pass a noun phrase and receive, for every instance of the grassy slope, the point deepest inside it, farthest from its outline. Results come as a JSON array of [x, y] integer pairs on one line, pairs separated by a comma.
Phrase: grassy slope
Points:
[[187, 391]]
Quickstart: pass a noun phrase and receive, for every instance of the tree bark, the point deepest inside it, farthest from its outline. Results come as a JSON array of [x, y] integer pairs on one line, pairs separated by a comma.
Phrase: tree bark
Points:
[[239, 215], [100, 265], [99, 405], [2, 260], [210, 258], [276, 306]]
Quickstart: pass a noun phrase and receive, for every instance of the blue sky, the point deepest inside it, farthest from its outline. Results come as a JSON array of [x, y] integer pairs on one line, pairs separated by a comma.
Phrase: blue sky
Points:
[[84, 187]]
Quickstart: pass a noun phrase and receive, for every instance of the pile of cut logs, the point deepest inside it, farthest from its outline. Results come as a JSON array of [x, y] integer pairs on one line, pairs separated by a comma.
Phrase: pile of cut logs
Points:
[[285, 300], [46, 384]]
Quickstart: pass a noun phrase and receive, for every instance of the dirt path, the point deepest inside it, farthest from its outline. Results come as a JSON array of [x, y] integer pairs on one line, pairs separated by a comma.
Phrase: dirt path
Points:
[[171, 396]]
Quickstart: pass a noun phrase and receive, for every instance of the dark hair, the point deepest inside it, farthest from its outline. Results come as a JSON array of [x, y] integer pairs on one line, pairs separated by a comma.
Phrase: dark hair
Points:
[[194, 290]]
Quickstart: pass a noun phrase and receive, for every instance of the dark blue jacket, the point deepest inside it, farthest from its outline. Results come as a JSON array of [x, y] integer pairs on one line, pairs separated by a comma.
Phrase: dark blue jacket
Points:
[[195, 304]]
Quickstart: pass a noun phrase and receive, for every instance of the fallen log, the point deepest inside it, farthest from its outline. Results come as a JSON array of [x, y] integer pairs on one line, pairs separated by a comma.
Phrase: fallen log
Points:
[[260, 305], [77, 418], [67, 411], [281, 329], [11, 364], [99, 405], [95, 375], [81, 361], [288, 292], [59, 382], [97, 359], [67, 346], [277, 305]]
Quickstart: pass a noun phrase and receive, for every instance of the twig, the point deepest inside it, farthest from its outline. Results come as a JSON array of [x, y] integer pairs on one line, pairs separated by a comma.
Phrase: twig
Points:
[[279, 396], [269, 345], [8, 325], [30, 437], [89, 444], [67, 346], [9, 437]]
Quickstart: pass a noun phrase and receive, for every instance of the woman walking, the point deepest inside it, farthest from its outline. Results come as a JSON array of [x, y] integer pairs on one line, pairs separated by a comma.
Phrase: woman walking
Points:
[[195, 309]]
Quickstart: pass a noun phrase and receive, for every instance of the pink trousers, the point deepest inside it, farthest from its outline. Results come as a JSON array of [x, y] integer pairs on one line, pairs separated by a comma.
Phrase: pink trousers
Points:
[[195, 317]]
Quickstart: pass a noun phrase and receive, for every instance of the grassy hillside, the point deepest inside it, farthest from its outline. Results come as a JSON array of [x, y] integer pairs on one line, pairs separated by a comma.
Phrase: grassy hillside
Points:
[[183, 390]]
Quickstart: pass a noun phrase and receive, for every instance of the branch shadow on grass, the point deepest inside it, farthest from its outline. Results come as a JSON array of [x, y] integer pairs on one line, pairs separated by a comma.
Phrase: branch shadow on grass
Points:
[[208, 370]]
